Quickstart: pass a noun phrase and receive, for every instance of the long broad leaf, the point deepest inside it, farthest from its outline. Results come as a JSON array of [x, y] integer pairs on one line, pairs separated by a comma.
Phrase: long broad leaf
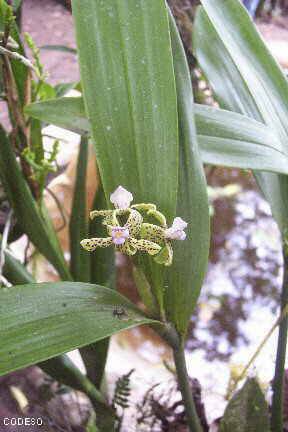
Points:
[[224, 138], [245, 78], [129, 91], [186, 276], [60, 368], [25, 208], [40, 321]]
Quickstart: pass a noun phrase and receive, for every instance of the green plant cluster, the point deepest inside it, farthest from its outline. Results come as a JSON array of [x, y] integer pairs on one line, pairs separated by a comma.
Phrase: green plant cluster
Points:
[[136, 107]]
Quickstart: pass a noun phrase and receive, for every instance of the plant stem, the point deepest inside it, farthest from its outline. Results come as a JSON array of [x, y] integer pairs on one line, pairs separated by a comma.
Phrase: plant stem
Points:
[[183, 381], [278, 381]]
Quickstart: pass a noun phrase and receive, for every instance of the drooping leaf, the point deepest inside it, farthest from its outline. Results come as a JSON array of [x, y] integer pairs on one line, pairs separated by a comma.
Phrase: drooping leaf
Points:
[[230, 139], [41, 321], [247, 411], [185, 277], [35, 225], [60, 368], [245, 78], [224, 138]]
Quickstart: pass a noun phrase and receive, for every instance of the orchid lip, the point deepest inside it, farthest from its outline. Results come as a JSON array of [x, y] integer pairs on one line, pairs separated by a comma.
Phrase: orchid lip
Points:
[[119, 235]]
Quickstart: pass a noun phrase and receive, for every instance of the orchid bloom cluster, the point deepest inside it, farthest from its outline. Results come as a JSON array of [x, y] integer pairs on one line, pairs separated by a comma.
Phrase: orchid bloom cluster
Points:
[[128, 232]]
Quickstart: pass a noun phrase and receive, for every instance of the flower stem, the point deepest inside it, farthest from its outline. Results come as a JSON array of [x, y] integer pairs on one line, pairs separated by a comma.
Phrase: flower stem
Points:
[[278, 381], [183, 381]]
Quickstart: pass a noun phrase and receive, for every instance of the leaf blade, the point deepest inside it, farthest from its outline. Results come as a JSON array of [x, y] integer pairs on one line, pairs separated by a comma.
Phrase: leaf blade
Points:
[[217, 132], [40, 321], [111, 49], [230, 139], [78, 224], [244, 76], [185, 277]]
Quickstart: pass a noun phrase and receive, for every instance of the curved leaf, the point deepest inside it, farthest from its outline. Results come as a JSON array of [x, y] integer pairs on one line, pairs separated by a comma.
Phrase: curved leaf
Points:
[[230, 139], [41, 321], [247, 79], [225, 138]]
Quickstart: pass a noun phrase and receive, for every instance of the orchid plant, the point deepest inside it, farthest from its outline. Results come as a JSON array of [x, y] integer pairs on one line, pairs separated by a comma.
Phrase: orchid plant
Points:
[[136, 108]]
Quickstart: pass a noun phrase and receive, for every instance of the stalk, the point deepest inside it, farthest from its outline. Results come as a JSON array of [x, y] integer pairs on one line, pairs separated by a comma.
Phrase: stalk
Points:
[[278, 381], [169, 334], [184, 386]]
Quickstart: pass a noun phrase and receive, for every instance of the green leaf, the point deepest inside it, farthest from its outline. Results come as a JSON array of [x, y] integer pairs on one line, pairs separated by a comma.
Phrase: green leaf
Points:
[[247, 411], [66, 112], [94, 356], [41, 321], [247, 79], [185, 277], [78, 226], [129, 91], [225, 138], [230, 139], [60, 368], [34, 224]]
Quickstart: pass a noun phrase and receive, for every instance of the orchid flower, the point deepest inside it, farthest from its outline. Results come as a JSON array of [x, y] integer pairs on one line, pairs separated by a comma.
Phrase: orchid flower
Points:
[[128, 232]]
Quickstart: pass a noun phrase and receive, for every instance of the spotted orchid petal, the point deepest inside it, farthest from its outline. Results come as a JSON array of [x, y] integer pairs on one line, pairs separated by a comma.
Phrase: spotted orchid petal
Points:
[[121, 198], [91, 244]]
